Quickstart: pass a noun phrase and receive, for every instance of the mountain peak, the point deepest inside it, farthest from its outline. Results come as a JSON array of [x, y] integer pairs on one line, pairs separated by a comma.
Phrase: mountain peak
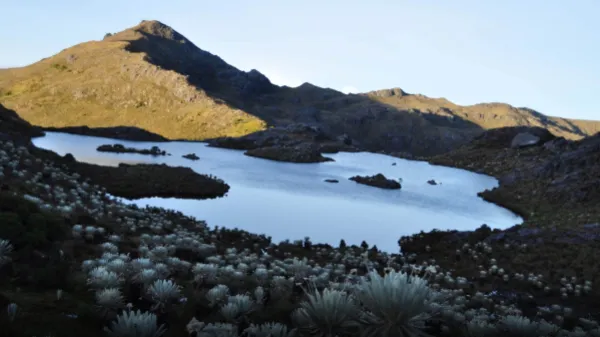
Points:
[[150, 76], [157, 28], [148, 29], [389, 92]]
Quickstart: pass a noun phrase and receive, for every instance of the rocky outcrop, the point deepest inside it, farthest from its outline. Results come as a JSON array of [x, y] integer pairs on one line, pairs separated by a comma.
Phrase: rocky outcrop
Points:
[[378, 180], [552, 182], [291, 135], [298, 143], [13, 125], [191, 156], [524, 139], [566, 170], [514, 137], [302, 153], [120, 148]]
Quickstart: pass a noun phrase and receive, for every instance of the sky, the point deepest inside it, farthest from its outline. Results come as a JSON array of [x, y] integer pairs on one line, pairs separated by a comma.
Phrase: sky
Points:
[[541, 54]]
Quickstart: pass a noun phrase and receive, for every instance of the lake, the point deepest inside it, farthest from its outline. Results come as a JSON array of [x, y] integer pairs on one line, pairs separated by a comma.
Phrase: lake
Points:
[[291, 201]]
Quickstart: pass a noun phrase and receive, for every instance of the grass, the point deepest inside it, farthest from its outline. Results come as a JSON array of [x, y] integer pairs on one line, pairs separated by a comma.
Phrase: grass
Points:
[[103, 85]]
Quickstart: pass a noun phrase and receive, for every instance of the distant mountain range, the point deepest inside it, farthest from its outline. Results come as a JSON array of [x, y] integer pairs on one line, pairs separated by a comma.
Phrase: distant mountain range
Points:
[[152, 77]]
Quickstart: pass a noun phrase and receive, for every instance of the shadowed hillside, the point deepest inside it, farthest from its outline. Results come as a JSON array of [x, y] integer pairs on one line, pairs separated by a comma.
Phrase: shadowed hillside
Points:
[[554, 182], [485, 115], [153, 78]]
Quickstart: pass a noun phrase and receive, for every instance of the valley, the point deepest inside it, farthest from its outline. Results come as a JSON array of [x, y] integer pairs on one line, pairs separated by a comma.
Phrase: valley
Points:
[[150, 189]]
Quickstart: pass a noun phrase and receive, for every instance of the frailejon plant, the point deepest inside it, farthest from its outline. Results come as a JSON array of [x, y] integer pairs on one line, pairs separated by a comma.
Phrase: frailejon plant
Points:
[[135, 324], [271, 329], [327, 313], [397, 304], [519, 326], [164, 292], [109, 299], [5, 250]]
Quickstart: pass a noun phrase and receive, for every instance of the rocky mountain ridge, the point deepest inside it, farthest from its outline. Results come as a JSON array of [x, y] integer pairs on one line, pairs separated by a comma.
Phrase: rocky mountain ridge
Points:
[[153, 78]]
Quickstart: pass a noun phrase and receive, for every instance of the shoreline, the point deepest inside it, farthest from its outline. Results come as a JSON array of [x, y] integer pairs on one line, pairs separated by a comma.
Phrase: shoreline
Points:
[[143, 180], [487, 195]]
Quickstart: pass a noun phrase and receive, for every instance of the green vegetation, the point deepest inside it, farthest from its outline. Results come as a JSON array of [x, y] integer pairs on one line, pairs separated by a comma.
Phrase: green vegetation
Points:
[[26, 226], [100, 84], [58, 66]]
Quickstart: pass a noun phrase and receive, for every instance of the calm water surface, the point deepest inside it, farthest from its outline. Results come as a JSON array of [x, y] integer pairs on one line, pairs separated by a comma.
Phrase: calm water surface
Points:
[[291, 201]]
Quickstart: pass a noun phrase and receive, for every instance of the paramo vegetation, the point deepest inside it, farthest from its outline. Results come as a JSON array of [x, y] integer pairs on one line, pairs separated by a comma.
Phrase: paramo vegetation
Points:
[[77, 262]]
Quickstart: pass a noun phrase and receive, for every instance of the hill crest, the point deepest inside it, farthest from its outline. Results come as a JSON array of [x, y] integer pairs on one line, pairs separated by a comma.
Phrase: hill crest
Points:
[[151, 77]]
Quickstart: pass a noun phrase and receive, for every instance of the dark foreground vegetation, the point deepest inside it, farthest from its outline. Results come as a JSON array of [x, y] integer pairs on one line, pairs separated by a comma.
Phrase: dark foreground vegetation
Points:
[[152, 180]]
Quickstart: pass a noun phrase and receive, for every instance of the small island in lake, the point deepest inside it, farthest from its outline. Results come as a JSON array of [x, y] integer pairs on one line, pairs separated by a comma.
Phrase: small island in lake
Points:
[[378, 180], [120, 148]]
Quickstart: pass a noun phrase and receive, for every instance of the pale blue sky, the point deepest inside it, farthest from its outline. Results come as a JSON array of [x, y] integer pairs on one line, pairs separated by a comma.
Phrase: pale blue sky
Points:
[[543, 54]]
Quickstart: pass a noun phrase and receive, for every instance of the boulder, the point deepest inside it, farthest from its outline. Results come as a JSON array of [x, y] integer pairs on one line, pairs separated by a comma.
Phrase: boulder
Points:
[[524, 139], [503, 137], [191, 156], [378, 180]]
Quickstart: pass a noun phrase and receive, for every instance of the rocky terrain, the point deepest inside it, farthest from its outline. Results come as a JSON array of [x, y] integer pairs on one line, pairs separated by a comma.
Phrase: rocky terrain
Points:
[[297, 143], [378, 180], [191, 156], [154, 79], [304, 153], [551, 181]]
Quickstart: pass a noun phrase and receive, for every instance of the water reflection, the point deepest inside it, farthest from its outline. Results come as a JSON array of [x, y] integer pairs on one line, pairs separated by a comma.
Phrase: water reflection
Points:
[[291, 201]]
